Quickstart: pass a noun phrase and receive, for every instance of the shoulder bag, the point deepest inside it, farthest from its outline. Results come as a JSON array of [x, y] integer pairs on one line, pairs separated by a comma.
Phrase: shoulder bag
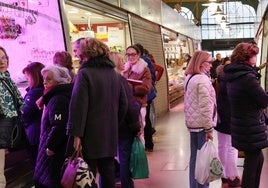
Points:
[[19, 139]]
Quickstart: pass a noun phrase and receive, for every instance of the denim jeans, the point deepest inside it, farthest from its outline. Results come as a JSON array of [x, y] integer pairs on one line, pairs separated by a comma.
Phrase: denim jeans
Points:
[[124, 146], [197, 140]]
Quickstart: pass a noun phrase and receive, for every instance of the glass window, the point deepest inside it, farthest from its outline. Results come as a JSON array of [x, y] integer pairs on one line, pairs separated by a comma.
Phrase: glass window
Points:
[[237, 21]]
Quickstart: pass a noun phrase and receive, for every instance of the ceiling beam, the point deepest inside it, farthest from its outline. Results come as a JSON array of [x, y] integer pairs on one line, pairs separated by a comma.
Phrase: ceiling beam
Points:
[[184, 1]]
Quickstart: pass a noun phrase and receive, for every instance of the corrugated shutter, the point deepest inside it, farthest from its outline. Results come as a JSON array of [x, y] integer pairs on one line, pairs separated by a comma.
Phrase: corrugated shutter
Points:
[[149, 35]]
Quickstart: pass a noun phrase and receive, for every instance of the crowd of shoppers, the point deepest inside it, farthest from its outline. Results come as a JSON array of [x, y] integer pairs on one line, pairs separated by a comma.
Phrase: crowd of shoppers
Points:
[[114, 98]]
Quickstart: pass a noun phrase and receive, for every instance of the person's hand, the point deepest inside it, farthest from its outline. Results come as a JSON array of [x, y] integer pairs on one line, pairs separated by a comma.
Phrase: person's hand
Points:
[[49, 152], [209, 136], [77, 143]]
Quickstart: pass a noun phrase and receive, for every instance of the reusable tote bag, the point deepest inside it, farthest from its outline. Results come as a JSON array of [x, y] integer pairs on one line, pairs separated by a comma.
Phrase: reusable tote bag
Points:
[[208, 166], [138, 160]]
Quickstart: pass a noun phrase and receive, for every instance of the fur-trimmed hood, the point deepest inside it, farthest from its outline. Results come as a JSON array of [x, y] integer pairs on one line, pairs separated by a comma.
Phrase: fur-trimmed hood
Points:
[[137, 67]]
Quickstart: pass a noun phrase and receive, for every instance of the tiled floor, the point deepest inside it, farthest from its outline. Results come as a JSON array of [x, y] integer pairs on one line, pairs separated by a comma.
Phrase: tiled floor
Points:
[[168, 162]]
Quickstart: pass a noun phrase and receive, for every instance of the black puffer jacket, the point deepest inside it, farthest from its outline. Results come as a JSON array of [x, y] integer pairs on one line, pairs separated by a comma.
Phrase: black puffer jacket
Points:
[[53, 136], [31, 115], [247, 99], [223, 105]]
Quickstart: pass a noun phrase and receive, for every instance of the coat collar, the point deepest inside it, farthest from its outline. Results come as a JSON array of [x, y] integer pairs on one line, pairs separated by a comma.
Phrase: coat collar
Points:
[[137, 67]]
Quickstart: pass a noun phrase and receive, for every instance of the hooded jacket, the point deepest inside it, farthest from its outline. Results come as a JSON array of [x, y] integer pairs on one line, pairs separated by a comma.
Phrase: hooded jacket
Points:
[[247, 100]]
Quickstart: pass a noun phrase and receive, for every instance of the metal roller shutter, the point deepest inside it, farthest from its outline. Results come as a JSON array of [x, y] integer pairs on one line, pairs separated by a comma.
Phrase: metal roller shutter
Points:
[[149, 35]]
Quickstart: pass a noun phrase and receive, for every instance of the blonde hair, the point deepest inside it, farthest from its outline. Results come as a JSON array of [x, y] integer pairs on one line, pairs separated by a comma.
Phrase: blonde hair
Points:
[[196, 61], [116, 57], [91, 47]]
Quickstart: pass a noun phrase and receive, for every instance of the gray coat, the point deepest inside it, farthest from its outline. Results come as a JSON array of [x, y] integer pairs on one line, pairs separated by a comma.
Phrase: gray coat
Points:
[[98, 105]]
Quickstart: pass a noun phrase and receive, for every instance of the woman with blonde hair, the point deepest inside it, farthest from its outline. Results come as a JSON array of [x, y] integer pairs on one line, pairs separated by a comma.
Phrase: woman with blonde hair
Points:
[[199, 107], [118, 59], [247, 100]]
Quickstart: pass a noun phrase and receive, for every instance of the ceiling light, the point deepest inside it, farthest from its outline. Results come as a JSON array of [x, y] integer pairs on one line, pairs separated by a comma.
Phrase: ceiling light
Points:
[[218, 12]]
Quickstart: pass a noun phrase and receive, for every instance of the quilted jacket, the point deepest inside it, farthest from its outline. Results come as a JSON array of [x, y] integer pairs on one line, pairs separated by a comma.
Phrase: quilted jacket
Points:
[[199, 103]]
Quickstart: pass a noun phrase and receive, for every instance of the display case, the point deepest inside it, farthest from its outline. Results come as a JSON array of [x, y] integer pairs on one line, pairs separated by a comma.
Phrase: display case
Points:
[[176, 92]]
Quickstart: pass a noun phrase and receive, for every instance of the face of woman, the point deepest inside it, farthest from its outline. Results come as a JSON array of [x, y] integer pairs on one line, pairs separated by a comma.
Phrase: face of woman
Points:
[[3, 62], [29, 79], [252, 61], [206, 66], [132, 55], [49, 80], [121, 64]]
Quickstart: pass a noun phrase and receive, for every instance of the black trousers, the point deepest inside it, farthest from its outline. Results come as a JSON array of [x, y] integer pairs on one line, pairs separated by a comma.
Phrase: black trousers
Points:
[[106, 169], [148, 134], [252, 169]]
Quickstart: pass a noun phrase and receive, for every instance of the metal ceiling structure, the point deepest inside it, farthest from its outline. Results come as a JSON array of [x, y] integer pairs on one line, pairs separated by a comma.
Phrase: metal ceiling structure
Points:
[[196, 5]]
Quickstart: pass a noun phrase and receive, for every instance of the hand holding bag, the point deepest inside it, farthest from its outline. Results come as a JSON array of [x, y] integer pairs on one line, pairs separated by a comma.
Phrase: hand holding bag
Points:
[[77, 173], [138, 161], [208, 166]]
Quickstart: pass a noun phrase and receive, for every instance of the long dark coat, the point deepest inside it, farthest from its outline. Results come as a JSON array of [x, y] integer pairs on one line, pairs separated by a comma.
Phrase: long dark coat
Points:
[[53, 136], [247, 99], [97, 107]]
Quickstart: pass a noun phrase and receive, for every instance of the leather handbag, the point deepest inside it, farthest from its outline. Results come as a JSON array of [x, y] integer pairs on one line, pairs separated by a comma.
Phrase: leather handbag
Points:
[[77, 173], [69, 175]]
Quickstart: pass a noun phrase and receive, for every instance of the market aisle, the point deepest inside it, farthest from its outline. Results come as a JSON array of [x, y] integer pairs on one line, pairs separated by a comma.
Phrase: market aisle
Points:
[[168, 162]]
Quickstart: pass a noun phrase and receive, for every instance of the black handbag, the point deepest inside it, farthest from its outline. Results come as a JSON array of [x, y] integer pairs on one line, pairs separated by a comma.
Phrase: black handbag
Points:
[[19, 139]]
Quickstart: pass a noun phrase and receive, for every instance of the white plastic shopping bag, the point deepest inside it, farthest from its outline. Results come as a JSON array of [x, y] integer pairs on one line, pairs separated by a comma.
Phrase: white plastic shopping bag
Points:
[[208, 166]]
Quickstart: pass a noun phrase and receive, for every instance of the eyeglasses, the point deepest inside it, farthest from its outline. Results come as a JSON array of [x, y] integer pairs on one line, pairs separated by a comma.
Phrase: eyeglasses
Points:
[[4, 58], [131, 55]]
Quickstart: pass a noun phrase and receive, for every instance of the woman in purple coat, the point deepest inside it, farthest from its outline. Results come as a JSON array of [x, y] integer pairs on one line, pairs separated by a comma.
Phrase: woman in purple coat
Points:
[[31, 114], [53, 138]]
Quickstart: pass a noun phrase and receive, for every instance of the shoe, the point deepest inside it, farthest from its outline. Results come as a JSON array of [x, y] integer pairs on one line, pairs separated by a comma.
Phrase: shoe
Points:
[[234, 183]]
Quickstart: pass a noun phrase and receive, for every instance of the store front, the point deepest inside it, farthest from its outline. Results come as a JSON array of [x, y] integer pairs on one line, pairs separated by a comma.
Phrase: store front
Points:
[[176, 48], [30, 32], [85, 21]]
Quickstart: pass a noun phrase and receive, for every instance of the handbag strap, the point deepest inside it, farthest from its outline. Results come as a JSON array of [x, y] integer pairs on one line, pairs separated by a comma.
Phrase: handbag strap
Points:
[[188, 81]]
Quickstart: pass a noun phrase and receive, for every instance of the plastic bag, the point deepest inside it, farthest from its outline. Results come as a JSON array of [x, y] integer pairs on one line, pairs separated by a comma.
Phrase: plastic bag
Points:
[[138, 160], [208, 166]]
